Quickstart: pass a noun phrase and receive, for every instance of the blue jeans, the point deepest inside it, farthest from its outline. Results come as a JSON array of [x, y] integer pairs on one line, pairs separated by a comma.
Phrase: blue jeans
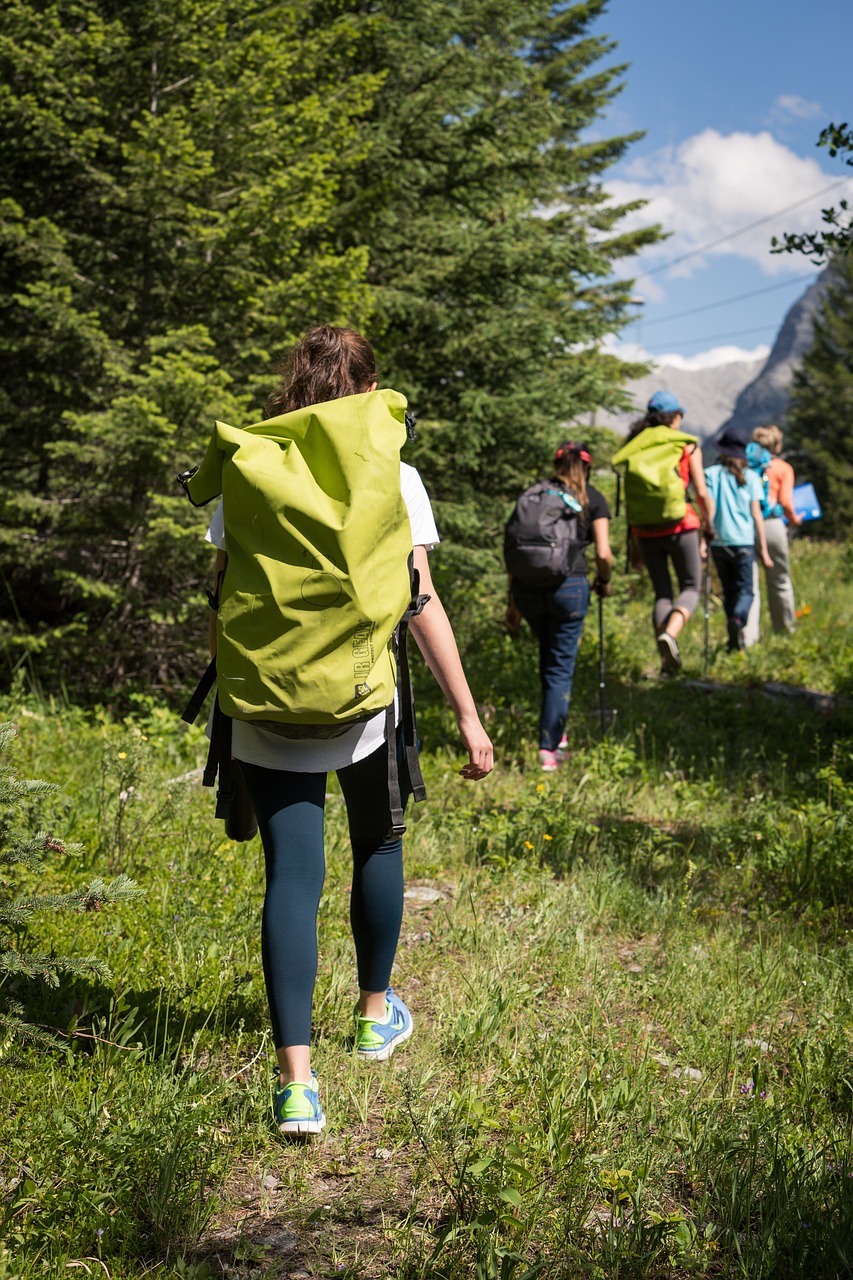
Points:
[[556, 619], [734, 565]]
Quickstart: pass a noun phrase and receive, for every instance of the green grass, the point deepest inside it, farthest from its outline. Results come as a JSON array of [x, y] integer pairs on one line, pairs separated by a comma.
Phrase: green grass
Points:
[[631, 985]]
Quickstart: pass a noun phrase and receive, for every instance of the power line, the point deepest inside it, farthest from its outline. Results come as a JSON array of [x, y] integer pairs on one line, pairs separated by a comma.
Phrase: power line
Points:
[[724, 302], [722, 337], [731, 235]]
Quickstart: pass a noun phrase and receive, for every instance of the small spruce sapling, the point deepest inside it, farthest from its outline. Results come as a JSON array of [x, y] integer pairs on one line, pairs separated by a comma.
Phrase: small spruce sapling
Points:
[[17, 851]]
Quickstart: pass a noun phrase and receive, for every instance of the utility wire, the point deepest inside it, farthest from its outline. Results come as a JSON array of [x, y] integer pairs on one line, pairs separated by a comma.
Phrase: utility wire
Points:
[[653, 271], [722, 337], [723, 302]]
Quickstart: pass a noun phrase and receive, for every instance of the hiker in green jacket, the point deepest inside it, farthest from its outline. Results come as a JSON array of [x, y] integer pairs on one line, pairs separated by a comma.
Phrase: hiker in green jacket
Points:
[[671, 544], [286, 780]]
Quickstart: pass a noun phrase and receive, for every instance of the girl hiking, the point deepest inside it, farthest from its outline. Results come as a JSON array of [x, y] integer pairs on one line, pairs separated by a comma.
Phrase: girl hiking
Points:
[[286, 776], [670, 544], [556, 613], [739, 527], [778, 506]]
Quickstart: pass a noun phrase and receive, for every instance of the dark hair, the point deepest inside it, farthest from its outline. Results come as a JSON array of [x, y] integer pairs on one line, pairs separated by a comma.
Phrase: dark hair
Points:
[[328, 363], [654, 418], [573, 471], [735, 467]]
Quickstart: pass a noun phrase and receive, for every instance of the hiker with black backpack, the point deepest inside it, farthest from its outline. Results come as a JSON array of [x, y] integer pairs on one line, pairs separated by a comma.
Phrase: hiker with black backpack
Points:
[[545, 542], [317, 495], [661, 462]]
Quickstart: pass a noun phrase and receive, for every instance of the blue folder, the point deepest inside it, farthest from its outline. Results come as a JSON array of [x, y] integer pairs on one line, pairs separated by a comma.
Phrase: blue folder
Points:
[[806, 503]]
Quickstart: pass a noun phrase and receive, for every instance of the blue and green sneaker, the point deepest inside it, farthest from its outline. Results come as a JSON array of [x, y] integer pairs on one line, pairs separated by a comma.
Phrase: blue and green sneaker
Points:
[[378, 1040], [297, 1107]]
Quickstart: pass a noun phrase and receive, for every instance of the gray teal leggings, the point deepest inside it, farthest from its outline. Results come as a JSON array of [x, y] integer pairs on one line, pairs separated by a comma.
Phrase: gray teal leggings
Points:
[[682, 549]]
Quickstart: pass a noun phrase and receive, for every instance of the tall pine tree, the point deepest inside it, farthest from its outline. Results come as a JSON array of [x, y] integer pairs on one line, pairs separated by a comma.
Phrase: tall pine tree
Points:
[[169, 175], [492, 241], [818, 421]]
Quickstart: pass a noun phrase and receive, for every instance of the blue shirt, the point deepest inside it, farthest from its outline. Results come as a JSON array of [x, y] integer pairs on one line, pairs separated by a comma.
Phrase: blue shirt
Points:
[[733, 520]]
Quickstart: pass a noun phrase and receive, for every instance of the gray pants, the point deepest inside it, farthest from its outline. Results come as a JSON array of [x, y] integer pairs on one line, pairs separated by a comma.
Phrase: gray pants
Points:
[[683, 550], [780, 589]]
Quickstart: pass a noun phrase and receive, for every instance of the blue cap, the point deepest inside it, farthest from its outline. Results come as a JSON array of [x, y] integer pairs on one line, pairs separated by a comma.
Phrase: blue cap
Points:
[[664, 402]]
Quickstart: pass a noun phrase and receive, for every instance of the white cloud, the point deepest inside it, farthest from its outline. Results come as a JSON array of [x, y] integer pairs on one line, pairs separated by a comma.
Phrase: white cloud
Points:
[[789, 105], [715, 357], [710, 359], [712, 185]]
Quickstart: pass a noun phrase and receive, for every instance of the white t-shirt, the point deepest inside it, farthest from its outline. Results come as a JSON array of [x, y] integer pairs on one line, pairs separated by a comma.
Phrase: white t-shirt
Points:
[[256, 745]]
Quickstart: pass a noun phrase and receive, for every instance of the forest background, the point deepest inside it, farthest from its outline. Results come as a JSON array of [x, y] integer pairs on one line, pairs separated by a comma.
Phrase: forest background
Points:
[[650, 954], [188, 187]]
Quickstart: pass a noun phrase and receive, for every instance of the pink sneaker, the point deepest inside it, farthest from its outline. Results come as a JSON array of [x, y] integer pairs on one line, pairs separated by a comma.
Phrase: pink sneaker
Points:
[[563, 753], [549, 761]]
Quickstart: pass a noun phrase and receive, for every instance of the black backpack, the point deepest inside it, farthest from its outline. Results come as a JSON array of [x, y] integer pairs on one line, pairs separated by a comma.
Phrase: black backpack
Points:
[[542, 534]]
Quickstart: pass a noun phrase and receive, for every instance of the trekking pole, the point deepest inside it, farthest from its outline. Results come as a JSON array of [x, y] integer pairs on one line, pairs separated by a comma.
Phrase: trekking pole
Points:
[[601, 667], [707, 585]]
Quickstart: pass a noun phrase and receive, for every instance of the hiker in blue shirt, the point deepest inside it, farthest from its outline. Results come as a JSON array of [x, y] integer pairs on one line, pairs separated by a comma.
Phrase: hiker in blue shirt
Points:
[[738, 526], [286, 780]]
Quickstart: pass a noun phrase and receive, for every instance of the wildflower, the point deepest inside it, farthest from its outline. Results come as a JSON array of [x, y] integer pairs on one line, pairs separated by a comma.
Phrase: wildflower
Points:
[[541, 786], [122, 755], [547, 837], [528, 845], [748, 1087]]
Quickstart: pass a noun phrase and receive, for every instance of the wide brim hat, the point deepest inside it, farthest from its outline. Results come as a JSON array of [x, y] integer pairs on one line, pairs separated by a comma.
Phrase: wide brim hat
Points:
[[731, 443]]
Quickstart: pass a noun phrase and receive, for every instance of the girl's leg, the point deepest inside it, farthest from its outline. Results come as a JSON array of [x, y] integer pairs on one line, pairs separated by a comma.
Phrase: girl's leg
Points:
[[532, 604], [725, 559], [558, 654], [656, 558], [780, 589], [687, 563], [744, 559], [289, 809], [376, 901]]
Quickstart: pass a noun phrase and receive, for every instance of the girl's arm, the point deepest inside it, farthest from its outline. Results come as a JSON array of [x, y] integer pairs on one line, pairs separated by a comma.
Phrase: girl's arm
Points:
[[603, 555], [700, 488], [759, 534], [436, 641]]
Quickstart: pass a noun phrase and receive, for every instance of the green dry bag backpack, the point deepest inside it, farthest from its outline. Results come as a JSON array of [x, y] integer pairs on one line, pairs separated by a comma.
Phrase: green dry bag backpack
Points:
[[318, 575], [655, 495]]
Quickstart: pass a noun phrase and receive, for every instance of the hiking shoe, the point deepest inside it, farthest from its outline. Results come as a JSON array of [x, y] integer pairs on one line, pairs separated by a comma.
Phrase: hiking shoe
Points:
[[297, 1107], [549, 761], [378, 1040], [668, 650], [736, 643]]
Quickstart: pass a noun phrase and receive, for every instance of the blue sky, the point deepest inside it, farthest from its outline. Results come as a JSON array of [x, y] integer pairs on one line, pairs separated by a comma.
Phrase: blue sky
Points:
[[732, 98]]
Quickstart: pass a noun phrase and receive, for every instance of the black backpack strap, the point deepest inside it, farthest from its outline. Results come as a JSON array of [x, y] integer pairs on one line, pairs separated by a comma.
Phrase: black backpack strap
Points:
[[407, 704], [203, 688], [395, 795], [221, 735]]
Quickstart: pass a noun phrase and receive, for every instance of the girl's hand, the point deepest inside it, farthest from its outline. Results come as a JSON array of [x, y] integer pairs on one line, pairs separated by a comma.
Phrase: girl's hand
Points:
[[481, 753], [766, 560], [512, 619]]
